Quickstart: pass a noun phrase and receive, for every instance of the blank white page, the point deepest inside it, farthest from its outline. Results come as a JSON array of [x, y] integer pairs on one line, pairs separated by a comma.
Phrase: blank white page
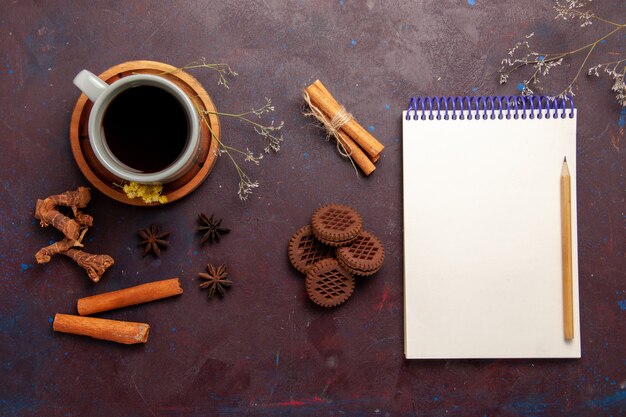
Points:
[[482, 238]]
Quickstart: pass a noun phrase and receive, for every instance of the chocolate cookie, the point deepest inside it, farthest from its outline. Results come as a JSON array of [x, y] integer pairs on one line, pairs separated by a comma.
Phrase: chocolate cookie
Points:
[[328, 284], [336, 224], [305, 250], [364, 256]]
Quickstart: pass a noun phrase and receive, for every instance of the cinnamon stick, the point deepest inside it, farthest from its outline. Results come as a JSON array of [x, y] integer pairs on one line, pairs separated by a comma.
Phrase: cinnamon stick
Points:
[[356, 153], [323, 100], [125, 332], [129, 296]]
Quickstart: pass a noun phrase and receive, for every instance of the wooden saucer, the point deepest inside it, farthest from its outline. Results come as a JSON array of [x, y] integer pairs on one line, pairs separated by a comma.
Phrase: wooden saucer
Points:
[[103, 180]]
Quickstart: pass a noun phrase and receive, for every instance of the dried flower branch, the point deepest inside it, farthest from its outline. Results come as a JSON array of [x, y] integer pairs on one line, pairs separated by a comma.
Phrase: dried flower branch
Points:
[[246, 185], [224, 70], [267, 131], [522, 54], [613, 69]]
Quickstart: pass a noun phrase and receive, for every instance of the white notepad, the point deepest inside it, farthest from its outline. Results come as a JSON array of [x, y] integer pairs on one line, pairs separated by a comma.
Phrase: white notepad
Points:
[[482, 229]]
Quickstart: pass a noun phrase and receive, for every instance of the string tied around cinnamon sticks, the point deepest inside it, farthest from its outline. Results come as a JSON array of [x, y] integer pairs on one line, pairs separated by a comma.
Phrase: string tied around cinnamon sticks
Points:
[[331, 126], [353, 142]]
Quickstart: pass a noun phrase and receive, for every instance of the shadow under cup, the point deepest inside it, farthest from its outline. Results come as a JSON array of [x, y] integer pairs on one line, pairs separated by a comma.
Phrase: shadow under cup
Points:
[[147, 132]]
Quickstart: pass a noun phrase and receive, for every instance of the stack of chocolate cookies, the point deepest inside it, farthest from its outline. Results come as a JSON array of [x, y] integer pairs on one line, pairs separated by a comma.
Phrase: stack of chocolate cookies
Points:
[[331, 251]]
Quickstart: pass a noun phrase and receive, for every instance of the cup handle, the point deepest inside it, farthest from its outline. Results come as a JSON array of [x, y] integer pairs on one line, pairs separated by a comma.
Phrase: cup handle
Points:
[[90, 84]]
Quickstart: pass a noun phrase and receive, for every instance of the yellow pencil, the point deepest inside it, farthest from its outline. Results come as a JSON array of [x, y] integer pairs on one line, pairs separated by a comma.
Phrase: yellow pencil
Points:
[[566, 233]]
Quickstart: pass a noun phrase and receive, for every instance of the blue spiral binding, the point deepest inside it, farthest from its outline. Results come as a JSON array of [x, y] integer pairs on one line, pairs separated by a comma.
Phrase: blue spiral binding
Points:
[[486, 107]]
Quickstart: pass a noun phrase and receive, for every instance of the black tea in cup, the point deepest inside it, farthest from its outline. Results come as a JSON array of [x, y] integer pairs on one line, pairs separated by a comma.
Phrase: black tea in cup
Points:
[[145, 128]]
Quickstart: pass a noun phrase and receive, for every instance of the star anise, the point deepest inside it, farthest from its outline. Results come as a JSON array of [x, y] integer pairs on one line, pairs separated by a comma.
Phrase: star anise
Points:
[[211, 228], [153, 240], [216, 280]]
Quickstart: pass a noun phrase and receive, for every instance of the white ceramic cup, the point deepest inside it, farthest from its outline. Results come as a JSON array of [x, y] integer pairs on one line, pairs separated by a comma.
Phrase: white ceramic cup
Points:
[[102, 94]]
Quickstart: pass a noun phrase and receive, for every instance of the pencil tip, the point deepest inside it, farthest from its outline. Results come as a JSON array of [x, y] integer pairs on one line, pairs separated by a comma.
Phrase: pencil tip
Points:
[[565, 159]]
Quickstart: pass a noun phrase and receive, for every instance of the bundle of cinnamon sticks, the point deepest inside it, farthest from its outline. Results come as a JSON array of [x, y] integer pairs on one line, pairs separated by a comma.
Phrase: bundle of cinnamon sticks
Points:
[[359, 144]]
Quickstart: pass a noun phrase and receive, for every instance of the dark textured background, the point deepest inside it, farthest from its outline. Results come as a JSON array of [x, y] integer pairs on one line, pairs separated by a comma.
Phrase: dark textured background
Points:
[[265, 349]]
